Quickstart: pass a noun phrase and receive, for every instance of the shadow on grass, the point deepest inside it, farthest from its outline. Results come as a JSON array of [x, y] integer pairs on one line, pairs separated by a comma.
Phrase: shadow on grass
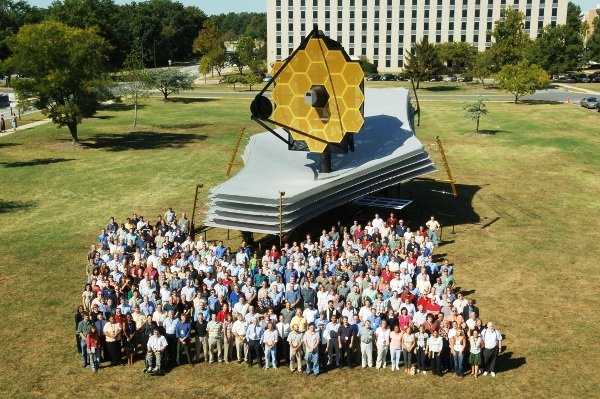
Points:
[[491, 132], [193, 125], [141, 140], [441, 88], [4, 145], [15, 206], [191, 100], [119, 107], [35, 162], [506, 361], [540, 102]]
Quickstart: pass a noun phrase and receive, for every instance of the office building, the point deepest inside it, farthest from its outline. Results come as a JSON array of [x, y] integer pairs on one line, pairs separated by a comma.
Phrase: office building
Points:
[[382, 30]]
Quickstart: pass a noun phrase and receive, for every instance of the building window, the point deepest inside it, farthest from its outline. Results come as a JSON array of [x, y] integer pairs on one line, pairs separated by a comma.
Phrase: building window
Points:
[[438, 26], [278, 3], [426, 26], [451, 13], [340, 14], [291, 27], [339, 27], [327, 14], [389, 13], [278, 14], [451, 26], [463, 25], [414, 13], [464, 13], [388, 26], [490, 11], [290, 14], [477, 13], [351, 14], [376, 51], [476, 26], [489, 26], [450, 38], [413, 26], [528, 12], [364, 27], [388, 51], [554, 11], [439, 14], [388, 63], [438, 38], [463, 38], [278, 52], [476, 39], [401, 26], [315, 14], [400, 63]]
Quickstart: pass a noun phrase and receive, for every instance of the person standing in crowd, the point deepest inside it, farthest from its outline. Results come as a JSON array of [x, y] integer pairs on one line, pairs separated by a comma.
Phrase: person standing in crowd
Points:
[[421, 337], [2, 124], [408, 347], [241, 344], [201, 330], [365, 334], [215, 338], [255, 334], [333, 341], [346, 334], [156, 346], [434, 351], [311, 347], [492, 346], [183, 333], [458, 344], [83, 327], [170, 328], [92, 343], [395, 347], [294, 339], [112, 332], [475, 346], [129, 341], [228, 338], [433, 226], [382, 337], [270, 339]]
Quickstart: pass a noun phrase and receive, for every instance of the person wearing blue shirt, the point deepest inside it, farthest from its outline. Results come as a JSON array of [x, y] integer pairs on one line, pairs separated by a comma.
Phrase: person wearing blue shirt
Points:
[[103, 239], [259, 278], [220, 250], [182, 333], [374, 319], [383, 260], [234, 296], [255, 333], [293, 297]]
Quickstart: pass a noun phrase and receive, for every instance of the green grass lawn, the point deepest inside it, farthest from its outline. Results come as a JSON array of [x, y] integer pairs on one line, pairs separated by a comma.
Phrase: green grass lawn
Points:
[[533, 271]]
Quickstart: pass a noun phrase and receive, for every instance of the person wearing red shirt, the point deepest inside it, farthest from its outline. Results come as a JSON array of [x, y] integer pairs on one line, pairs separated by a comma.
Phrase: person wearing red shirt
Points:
[[387, 275], [432, 307], [431, 325], [152, 272], [222, 314], [392, 221], [410, 295], [423, 300]]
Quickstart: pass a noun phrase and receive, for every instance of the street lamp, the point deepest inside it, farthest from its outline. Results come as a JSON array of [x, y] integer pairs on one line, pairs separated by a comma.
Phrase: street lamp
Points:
[[281, 194]]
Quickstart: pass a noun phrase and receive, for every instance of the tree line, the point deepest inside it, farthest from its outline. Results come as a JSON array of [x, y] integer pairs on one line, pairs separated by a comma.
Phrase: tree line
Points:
[[518, 63]]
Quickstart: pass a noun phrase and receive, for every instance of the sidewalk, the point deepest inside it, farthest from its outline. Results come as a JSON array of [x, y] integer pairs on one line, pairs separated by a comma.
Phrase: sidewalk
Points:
[[587, 91], [10, 130]]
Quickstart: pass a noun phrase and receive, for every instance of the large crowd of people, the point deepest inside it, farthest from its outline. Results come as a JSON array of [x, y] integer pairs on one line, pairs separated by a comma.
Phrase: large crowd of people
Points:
[[372, 296]]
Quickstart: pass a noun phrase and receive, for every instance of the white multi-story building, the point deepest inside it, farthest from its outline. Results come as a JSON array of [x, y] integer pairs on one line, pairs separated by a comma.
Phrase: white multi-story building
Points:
[[381, 30]]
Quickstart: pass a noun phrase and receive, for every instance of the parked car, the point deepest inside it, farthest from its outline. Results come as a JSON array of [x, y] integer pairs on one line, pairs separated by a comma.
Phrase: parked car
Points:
[[590, 102], [435, 79], [582, 78], [388, 77], [464, 79], [267, 79], [373, 77], [449, 78]]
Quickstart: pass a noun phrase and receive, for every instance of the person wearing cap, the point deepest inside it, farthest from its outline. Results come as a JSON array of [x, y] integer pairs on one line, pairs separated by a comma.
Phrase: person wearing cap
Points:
[[366, 335], [492, 346], [156, 346]]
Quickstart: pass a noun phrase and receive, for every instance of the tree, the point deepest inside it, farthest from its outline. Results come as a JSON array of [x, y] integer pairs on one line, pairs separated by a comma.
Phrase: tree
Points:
[[135, 81], [423, 62], [593, 42], [252, 80], [209, 43], [560, 48], [205, 66], [523, 78], [245, 51], [511, 42], [367, 66], [475, 110], [457, 55], [63, 69], [482, 67], [169, 81]]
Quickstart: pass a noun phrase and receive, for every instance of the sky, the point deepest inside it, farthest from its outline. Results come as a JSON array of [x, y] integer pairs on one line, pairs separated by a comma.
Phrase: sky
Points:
[[212, 7]]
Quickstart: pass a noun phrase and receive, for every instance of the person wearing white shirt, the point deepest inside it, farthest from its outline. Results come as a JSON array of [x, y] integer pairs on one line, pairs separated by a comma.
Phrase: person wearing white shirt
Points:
[[492, 346], [283, 346], [239, 332], [188, 291], [156, 347], [310, 313], [435, 344], [377, 222], [240, 308], [459, 303], [382, 340]]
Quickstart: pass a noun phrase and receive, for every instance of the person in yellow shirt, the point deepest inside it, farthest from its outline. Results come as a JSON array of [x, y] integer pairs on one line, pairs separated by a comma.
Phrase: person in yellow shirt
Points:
[[299, 320]]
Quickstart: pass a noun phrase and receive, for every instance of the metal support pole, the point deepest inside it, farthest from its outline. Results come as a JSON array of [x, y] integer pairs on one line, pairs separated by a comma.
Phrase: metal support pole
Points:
[[325, 161], [446, 166], [281, 194], [192, 230], [235, 150]]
